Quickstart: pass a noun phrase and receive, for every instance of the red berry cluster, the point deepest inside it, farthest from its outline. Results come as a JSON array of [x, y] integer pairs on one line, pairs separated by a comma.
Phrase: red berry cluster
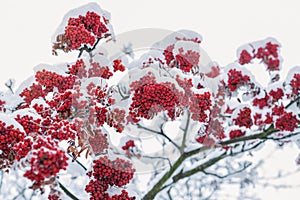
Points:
[[108, 173], [51, 80], [186, 61], [236, 79], [46, 161], [287, 122], [29, 124], [98, 142], [35, 91], [245, 57], [53, 197], [61, 130], [118, 66], [259, 121], [61, 102], [2, 108], [205, 139], [236, 133], [295, 83], [151, 98], [9, 136], [199, 104], [270, 98], [116, 119], [244, 118], [42, 110], [277, 110], [22, 148], [186, 84], [169, 57], [101, 115], [84, 30], [77, 36], [268, 54], [97, 71], [276, 94], [215, 127], [78, 69], [129, 144], [122, 196]]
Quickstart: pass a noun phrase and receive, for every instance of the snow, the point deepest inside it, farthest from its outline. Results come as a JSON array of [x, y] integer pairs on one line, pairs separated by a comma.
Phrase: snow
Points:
[[92, 7]]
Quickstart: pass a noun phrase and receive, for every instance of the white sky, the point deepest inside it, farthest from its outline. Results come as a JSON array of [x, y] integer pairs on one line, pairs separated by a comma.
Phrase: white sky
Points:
[[27, 27]]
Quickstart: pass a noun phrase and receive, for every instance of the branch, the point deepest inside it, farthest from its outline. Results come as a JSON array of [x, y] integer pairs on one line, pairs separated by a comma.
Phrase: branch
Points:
[[262, 135], [229, 174], [158, 157], [199, 168], [292, 102], [72, 196], [87, 49], [209, 163], [9, 85], [283, 137], [161, 132], [185, 133], [79, 163], [159, 186]]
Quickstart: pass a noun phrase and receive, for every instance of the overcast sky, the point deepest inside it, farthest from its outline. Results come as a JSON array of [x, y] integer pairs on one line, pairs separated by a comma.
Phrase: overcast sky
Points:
[[27, 27]]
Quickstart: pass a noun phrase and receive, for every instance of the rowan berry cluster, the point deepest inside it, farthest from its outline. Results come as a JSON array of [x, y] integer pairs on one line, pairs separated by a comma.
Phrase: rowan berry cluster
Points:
[[270, 98], [199, 104], [236, 133], [51, 80], [78, 69], [61, 102], [98, 142], [81, 31], [169, 57], [287, 122], [45, 162], [183, 60], [61, 130], [33, 92], [268, 55], [129, 144], [100, 113], [108, 173], [150, 98], [236, 79], [98, 71], [186, 84], [29, 124], [2, 108], [186, 61], [77, 35], [295, 83], [123, 196], [245, 57], [116, 118], [9, 136], [118, 66], [244, 118], [46, 82]]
